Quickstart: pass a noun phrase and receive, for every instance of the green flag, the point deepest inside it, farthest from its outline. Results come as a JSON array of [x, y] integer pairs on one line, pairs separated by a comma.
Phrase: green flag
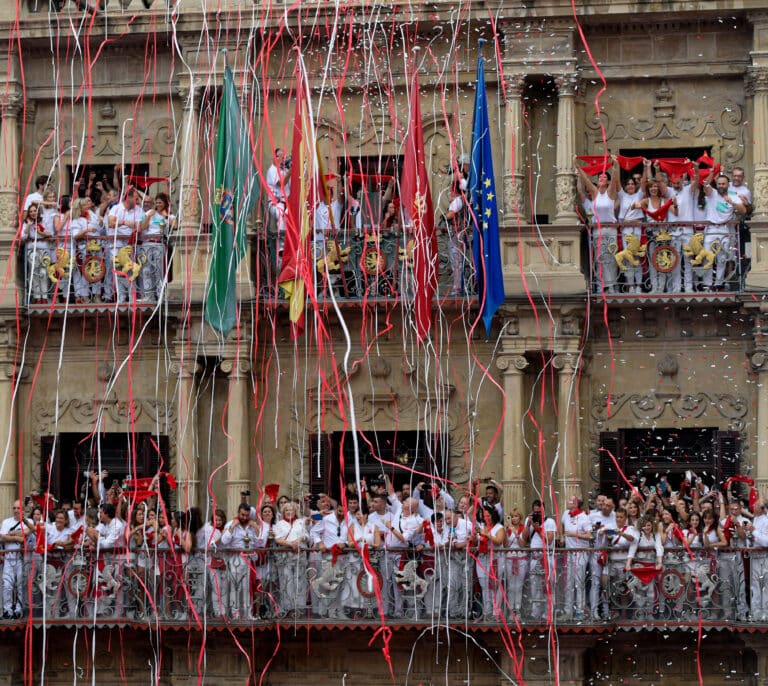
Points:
[[234, 196]]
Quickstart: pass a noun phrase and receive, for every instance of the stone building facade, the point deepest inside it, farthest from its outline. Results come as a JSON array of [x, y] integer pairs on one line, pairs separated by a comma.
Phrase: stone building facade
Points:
[[566, 372]]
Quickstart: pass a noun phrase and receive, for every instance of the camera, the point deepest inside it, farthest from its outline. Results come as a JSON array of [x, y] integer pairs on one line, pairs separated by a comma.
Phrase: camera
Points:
[[536, 518], [287, 163], [313, 501], [610, 532]]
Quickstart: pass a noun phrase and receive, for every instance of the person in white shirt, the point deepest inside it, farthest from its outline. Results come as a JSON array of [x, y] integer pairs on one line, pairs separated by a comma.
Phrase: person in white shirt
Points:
[[730, 565], [617, 541], [400, 529], [602, 517], [12, 535], [740, 189], [123, 225], [577, 531], [458, 243], [490, 562], [240, 534], [540, 531], [723, 211], [37, 243], [630, 217], [58, 539], [517, 561], [155, 226], [688, 213], [278, 189], [758, 568], [330, 538], [291, 534], [648, 549], [37, 195]]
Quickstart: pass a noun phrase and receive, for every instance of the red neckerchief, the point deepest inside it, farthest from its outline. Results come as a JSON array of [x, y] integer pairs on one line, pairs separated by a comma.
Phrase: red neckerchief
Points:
[[617, 538], [576, 512], [728, 529], [429, 537]]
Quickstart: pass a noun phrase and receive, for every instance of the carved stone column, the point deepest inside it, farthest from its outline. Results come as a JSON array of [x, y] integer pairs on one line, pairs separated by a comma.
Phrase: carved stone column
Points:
[[514, 198], [187, 460], [759, 82], [9, 466], [189, 265], [11, 106], [238, 429], [569, 466], [565, 177], [514, 463], [760, 366]]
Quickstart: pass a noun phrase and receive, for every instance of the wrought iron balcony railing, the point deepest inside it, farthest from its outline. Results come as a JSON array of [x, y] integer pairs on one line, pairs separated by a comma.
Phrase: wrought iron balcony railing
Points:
[[667, 258], [523, 587]]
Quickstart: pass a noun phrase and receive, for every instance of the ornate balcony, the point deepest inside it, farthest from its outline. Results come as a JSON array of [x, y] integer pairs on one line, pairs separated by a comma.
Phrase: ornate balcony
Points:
[[527, 588], [668, 259]]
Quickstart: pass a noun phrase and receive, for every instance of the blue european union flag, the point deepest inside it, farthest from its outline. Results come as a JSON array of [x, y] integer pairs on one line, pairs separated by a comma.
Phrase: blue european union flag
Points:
[[482, 198]]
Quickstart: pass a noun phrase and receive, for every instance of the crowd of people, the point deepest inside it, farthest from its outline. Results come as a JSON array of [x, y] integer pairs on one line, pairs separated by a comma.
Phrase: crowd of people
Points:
[[664, 235], [99, 245], [409, 554]]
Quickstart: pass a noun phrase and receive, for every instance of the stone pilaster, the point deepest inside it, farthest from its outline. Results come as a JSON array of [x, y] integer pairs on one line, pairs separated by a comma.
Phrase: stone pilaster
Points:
[[9, 467], [758, 84], [238, 428], [759, 361], [187, 461], [565, 177], [11, 106], [514, 466], [189, 266], [514, 197], [569, 466]]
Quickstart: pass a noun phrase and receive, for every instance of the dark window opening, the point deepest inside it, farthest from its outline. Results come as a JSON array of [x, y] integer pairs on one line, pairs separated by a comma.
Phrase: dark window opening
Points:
[[66, 460], [368, 179], [406, 457], [104, 173], [630, 454]]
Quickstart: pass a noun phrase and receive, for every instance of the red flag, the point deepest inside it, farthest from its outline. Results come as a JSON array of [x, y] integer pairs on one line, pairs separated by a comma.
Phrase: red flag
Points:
[[139, 484], [628, 163], [271, 492], [419, 217], [140, 496], [45, 500], [675, 167], [296, 274], [596, 164], [170, 480]]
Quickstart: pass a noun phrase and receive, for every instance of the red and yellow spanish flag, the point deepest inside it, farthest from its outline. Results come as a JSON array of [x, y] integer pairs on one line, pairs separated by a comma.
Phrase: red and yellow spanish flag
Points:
[[296, 274]]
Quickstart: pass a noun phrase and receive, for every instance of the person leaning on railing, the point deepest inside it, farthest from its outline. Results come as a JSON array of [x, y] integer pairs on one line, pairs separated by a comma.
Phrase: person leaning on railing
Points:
[[604, 197], [291, 535]]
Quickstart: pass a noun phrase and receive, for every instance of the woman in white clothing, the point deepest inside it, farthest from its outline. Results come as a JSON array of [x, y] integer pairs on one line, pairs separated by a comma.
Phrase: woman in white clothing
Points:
[[490, 562], [604, 197], [517, 561], [291, 535], [631, 217], [363, 536], [647, 548]]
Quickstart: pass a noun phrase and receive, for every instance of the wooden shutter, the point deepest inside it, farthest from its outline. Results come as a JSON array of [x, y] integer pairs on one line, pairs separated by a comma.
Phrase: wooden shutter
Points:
[[727, 455], [611, 479]]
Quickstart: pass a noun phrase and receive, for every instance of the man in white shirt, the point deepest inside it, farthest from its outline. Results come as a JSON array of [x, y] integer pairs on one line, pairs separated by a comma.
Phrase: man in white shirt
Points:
[[577, 532], [541, 531], [740, 189], [617, 542], [327, 587], [601, 518], [37, 194], [458, 245], [12, 535], [123, 225], [723, 211], [758, 568], [240, 534], [736, 528], [279, 187], [400, 529]]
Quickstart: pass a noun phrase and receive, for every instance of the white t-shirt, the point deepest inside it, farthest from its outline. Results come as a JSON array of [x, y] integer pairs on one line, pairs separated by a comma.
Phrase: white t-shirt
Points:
[[32, 197], [535, 537], [742, 193], [626, 211], [278, 182], [718, 210], [576, 524]]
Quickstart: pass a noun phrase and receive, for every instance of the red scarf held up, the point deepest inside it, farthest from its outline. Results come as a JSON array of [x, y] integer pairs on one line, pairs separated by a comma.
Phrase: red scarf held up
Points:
[[661, 214], [336, 550], [429, 536]]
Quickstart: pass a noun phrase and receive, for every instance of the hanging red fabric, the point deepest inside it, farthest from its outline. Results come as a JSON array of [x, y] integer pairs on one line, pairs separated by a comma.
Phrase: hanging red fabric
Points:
[[675, 167], [661, 214]]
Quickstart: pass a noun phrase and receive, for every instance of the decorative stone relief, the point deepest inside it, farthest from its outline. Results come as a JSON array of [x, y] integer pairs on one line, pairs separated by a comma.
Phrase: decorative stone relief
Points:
[[724, 129], [651, 406], [83, 415]]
